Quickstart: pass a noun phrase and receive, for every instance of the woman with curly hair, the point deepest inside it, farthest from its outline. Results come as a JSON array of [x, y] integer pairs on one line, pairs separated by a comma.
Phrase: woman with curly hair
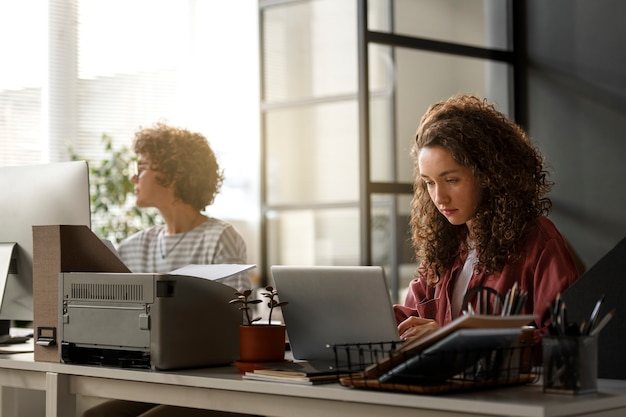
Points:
[[479, 217], [178, 174]]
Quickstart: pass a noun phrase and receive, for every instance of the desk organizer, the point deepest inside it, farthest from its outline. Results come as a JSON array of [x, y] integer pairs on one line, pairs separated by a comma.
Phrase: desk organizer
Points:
[[382, 366]]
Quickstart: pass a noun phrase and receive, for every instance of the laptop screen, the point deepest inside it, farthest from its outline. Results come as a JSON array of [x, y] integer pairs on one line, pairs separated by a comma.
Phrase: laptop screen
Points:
[[331, 305]]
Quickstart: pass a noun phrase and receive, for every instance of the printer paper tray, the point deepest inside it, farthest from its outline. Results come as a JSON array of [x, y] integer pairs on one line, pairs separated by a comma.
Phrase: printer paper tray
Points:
[[120, 358]]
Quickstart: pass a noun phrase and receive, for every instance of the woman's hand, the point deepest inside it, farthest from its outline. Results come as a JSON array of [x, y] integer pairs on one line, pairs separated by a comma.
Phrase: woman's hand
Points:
[[415, 327]]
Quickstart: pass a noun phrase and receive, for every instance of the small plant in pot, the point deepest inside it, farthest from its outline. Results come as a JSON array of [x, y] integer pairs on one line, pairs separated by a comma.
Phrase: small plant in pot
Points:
[[260, 342]]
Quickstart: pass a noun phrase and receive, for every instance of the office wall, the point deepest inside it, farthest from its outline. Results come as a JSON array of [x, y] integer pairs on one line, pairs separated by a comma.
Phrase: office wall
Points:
[[577, 115]]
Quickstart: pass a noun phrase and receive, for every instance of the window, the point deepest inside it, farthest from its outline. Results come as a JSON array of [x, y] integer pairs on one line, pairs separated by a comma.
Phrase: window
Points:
[[74, 70], [344, 85]]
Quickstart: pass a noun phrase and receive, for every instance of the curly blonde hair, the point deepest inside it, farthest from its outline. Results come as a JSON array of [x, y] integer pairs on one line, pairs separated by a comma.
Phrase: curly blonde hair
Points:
[[511, 174], [183, 159]]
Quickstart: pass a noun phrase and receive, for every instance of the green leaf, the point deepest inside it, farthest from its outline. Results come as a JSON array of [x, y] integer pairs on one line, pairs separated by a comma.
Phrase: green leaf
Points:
[[114, 213]]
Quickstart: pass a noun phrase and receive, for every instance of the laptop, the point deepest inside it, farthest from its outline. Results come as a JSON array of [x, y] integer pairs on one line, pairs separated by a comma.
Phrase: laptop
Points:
[[330, 305]]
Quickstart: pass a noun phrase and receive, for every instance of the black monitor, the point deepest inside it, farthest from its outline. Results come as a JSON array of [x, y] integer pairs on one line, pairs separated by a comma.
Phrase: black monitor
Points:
[[35, 195]]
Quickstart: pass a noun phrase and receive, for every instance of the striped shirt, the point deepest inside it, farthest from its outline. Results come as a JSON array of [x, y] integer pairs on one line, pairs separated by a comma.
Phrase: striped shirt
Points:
[[213, 242]]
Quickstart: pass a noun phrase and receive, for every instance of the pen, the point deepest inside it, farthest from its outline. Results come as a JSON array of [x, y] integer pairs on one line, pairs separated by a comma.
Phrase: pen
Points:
[[513, 299], [506, 303], [597, 328], [496, 305], [470, 309], [562, 318], [595, 313], [520, 301]]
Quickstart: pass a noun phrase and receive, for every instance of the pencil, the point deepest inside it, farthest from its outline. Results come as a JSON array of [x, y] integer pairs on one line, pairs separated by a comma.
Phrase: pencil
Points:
[[602, 323]]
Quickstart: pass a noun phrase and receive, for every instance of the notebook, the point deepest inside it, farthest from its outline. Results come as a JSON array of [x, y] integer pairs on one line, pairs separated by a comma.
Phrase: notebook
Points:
[[331, 305]]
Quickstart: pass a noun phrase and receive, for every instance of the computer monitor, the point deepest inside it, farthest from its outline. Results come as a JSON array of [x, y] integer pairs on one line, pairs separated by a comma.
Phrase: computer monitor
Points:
[[35, 195]]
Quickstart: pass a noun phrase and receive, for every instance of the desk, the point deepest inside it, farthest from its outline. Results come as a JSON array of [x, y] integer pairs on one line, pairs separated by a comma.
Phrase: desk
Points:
[[223, 389]]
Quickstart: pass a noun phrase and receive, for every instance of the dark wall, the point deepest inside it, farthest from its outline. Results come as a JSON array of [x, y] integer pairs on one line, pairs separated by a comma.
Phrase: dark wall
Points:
[[577, 115]]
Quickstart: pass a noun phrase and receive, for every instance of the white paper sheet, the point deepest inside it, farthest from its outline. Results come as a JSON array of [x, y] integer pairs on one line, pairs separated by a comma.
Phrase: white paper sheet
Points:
[[212, 271]]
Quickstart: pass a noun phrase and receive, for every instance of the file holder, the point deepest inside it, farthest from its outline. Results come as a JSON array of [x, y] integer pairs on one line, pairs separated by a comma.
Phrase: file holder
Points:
[[56, 249], [442, 370]]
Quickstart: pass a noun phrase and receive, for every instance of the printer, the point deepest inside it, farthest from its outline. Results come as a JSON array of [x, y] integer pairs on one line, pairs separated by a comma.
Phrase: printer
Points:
[[155, 321]]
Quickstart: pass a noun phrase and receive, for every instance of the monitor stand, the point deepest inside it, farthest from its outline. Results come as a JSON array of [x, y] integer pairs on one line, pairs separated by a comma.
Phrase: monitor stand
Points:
[[6, 252], [5, 328], [5, 334]]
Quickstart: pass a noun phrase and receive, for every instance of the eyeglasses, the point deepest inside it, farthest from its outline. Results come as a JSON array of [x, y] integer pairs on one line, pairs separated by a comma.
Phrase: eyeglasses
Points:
[[137, 168]]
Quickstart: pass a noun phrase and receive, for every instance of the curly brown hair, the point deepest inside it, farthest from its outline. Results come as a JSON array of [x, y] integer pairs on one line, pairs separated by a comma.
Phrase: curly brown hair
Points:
[[183, 159], [511, 174]]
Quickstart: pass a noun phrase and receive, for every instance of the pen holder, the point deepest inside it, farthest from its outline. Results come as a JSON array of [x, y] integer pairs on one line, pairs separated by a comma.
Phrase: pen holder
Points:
[[570, 364]]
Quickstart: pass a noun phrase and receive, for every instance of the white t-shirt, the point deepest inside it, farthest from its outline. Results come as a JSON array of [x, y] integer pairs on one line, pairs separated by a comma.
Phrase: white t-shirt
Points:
[[213, 242], [462, 281]]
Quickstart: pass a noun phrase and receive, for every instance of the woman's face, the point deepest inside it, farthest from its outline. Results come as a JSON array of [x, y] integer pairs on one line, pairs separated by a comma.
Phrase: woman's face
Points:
[[453, 188], [148, 192]]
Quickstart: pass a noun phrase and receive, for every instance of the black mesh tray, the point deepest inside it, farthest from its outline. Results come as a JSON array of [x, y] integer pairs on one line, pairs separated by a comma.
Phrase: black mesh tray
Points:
[[461, 361]]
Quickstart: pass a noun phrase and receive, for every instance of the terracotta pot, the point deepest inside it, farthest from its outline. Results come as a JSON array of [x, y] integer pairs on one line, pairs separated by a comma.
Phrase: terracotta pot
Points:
[[262, 343]]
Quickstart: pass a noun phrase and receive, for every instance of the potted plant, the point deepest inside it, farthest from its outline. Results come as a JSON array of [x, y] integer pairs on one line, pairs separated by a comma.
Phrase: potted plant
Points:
[[260, 342]]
